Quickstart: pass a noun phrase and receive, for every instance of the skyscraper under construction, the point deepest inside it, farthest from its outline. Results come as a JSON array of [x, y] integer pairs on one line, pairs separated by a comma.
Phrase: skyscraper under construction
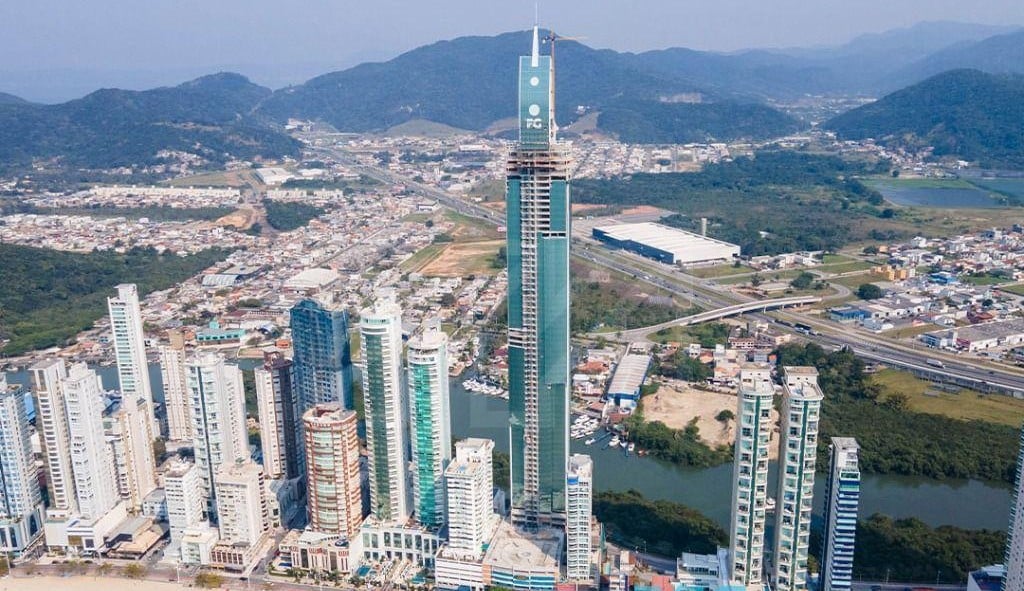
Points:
[[537, 198]]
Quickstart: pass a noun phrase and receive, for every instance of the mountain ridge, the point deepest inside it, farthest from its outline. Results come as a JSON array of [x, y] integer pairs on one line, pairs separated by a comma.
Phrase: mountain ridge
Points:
[[965, 114]]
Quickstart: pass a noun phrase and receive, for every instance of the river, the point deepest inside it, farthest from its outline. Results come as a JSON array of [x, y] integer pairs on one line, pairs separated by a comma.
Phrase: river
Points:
[[965, 503]]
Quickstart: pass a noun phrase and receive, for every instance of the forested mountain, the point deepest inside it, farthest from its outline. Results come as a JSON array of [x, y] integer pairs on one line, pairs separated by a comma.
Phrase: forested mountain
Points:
[[210, 116], [10, 99], [672, 95], [1000, 54], [965, 114]]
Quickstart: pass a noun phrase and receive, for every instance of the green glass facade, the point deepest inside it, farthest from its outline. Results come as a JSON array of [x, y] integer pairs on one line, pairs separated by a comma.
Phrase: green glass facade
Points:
[[538, 303]]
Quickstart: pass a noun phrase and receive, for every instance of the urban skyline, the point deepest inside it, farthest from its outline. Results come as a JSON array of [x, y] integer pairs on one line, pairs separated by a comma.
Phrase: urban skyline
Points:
[[303, 431]]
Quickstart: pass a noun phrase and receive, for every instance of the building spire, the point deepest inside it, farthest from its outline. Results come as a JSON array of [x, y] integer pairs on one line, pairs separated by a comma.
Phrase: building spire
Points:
[[535, 55]]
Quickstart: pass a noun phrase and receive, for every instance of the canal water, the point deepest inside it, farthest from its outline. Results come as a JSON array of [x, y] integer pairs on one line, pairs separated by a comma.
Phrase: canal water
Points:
[[965, 503]]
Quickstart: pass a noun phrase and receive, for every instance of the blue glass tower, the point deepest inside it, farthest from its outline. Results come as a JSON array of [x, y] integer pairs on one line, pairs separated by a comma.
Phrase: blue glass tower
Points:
[[323, 358], [842, 497], [537, 199]]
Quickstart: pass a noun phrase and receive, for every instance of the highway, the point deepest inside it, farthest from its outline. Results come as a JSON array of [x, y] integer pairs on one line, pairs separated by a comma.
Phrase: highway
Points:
[[955, 370], [635, 334]]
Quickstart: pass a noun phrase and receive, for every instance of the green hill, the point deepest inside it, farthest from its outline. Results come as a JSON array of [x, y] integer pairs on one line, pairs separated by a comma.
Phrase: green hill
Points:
[[646, 122], [469, 83], [48, 296], [965, 114], [209, 116]]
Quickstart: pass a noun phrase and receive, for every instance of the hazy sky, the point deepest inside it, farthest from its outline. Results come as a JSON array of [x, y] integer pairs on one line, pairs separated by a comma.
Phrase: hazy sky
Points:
[[104, 42]]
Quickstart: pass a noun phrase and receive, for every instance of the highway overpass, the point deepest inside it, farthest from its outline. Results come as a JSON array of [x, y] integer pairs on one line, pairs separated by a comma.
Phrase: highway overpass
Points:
[[638, 334]]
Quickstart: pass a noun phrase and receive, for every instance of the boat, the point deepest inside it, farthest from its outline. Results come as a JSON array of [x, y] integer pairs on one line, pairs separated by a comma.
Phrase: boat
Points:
[[589, 441], [614, 442], [623, 443], [632, 446]]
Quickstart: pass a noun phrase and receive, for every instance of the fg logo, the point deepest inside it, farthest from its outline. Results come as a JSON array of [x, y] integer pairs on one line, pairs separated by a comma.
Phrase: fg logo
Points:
[[534, 123]]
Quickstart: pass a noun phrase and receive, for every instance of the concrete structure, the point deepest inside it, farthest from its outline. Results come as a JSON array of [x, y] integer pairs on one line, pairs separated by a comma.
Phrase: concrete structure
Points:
[[666, 244], [630, 373], [172, 372], [280, 418], [197, 545], [579, 504], [311, 280], [750, 475], [52, 425], [217, 403], [798, 441], [978, 337], [538, 222], [322, 357], [430, 431], [186, 504], [1015, 531], [92, 461], [122, 430], [320, 553], [335, 497], [136, 393], [242, 514], [393, 540], [469, 483], [386, 424], [21, 501], [518, 559], [703, 571], [842, 497]]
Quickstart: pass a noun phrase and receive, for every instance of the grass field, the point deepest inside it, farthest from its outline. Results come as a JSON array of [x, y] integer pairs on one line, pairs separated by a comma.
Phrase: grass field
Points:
[[965, 405], [984, 280], [846, 267], [470, 229], [421, 258], [225, 178], [463, 259], [718, 271], [1016, 289]]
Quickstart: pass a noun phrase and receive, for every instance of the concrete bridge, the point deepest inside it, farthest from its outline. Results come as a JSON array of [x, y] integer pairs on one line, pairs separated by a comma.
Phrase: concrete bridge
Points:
[[639, 334]]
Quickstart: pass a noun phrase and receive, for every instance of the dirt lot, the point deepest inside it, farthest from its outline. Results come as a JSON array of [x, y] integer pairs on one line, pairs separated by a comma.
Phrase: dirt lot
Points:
[[459, 260], [241, 219], [677, 403]]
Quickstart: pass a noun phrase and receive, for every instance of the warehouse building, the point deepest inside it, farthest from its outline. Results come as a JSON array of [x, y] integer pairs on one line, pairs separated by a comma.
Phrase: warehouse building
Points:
[[665, 244]]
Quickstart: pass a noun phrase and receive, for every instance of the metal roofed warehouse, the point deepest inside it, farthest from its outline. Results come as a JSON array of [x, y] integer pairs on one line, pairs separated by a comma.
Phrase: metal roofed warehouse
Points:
[[665, 244]]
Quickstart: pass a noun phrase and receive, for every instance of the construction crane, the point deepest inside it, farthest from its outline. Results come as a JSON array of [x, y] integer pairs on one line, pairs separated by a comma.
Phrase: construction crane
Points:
[[552, 37]]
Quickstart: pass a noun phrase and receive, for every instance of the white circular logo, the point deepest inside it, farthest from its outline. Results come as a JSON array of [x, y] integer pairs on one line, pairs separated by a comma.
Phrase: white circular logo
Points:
[[534, 81], [534, 110]]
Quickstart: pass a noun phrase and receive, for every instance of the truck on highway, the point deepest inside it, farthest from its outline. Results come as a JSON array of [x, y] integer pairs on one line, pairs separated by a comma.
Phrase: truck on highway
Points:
[[934, 363]]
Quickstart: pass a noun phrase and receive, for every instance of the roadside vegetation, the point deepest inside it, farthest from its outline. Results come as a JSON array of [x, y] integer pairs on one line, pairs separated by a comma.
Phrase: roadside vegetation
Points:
[[609, 300], [48, 296], [894, 439], [156, 213]]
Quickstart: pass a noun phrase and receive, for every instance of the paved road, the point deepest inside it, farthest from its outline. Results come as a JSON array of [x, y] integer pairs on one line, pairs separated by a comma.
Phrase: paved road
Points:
[[707, 294]]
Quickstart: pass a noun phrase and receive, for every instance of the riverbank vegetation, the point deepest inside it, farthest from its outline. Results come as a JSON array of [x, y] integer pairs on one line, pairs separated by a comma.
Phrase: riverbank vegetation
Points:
[[285, 216], [660, 527], [910, 550], [48, 296], [679, 446], [894, 439]]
